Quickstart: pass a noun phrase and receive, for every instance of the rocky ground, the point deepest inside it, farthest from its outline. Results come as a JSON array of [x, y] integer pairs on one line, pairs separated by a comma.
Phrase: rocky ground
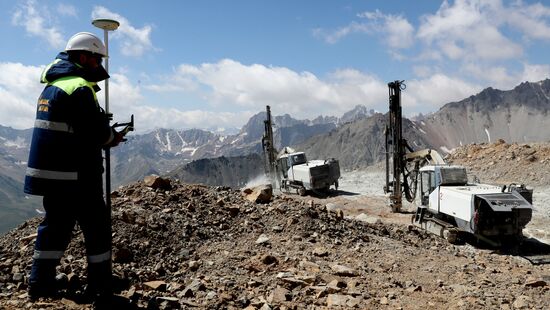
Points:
[[192, 246]]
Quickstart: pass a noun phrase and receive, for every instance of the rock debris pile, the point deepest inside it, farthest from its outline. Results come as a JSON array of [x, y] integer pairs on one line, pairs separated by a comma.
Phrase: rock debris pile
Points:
[[183, 246], [506, 163]]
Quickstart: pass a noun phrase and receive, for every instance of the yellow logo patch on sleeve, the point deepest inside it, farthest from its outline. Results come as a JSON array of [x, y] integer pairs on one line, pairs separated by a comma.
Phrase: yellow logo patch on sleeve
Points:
[[43, 105]]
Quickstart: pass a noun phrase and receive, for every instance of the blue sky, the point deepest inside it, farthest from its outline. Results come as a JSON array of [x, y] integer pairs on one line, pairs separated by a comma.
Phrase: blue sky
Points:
[[213, 64]]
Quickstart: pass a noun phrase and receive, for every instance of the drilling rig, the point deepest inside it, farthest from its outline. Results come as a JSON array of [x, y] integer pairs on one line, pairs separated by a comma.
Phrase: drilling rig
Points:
[[395, 145], [291, 170], [450, 206], [269, 151]]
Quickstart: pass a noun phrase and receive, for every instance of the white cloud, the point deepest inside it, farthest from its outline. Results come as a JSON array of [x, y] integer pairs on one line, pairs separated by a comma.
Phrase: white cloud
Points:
[[149, 117], [397, 30], [532, 20], [469, 29], [430, 93], [475, 29], [38, 23], [429, 54], [501, 77], [243, 90], [534, 73], [67, 10], [134, 41], [302, 94], [122, 94], [19, 90], [495, 76], [333, 37], [422, 71], [400, 32], [126, 99], [231, 86], [481, 39]]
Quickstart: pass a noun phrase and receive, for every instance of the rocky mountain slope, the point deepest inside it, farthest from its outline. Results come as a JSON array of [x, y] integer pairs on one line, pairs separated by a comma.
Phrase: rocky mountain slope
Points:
[[360, 143], [505, 163], [190, 246], [517, 115], [15, 207], [163, 150], [286, 131], [234, 172]]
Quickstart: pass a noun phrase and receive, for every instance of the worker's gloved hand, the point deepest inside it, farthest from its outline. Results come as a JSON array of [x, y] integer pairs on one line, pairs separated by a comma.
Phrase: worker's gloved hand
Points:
[[118, 137]]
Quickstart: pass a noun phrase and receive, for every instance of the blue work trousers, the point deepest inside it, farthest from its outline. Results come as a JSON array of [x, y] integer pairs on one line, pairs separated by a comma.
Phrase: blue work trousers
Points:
[[63, 211]]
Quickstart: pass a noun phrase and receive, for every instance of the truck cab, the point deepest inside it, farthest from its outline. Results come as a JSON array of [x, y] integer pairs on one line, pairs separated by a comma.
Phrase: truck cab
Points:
[[433, 176], [288, 161]]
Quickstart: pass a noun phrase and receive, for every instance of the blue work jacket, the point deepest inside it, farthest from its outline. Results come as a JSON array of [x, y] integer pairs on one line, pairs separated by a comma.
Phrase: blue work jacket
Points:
[[69, 131]]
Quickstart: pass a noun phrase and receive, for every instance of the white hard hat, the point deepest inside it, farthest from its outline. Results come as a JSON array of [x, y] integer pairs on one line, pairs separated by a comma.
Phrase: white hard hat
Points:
[[85, 41]]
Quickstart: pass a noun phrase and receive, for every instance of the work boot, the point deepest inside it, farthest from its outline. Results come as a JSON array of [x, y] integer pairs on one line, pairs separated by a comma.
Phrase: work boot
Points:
[[120, 284], [37, 291], [108, 302], [91, 294], [43, 281]]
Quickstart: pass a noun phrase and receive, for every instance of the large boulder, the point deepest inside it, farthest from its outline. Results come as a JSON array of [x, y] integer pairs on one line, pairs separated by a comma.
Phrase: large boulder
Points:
[[259, 194], [154, 181]]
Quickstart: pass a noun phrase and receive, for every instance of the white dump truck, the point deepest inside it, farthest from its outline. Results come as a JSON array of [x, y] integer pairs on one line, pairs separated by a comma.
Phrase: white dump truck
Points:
[[302, 175]]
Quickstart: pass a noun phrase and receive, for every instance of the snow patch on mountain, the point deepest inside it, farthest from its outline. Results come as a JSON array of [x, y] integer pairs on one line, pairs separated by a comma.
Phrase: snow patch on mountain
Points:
[[488, 135], [18, 143]]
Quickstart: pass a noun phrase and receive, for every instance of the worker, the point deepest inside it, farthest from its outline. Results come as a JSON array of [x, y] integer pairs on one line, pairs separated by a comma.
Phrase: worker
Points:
[[66, 165]]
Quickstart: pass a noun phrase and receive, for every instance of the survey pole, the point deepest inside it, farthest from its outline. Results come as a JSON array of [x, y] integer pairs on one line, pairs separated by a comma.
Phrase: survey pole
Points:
[[107, 25]]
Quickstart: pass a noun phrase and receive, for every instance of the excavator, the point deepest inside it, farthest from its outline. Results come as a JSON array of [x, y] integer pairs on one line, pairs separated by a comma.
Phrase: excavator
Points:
[[449, 204]]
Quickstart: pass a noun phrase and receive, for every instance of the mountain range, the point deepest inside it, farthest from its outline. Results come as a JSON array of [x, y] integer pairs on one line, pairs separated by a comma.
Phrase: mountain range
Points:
[[163, 150], [356, 139], [15, 206], [517, 115]]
